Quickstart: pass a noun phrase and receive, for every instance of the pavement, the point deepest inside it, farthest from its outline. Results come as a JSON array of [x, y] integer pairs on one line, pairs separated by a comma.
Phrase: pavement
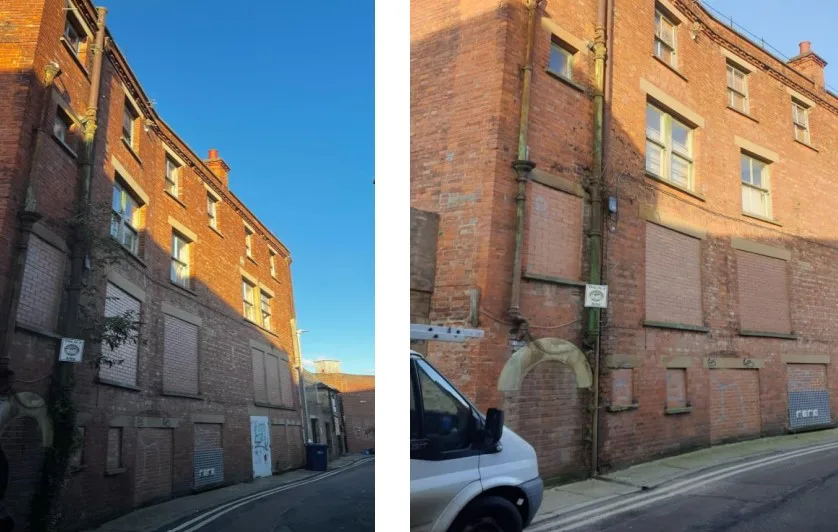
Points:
[[662, 495], [167, 515]]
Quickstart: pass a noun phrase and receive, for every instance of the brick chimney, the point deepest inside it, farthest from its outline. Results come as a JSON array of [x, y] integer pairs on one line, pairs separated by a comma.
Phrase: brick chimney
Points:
[[218, 166], [809, 64]]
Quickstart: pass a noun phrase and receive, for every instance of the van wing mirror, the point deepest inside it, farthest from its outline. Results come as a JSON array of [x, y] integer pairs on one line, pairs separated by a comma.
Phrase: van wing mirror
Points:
[[494, 426]]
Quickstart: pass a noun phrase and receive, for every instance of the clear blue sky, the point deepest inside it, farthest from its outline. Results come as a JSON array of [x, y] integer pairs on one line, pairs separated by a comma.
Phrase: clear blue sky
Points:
[[783, 24], [285, 92]]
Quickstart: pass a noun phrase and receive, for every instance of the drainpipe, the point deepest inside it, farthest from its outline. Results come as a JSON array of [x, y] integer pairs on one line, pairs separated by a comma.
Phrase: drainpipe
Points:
[[302, 386], [595, 230], [523, 166], [86, 157], [29, 216]]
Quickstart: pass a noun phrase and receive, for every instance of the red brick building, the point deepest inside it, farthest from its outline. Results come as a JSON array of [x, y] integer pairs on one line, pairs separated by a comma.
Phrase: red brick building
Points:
[[215, 367], [357, 398], [716, 160]]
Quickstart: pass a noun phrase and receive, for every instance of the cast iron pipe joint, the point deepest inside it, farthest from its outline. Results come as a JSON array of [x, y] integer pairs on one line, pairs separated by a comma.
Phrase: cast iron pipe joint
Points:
[[523, 169]]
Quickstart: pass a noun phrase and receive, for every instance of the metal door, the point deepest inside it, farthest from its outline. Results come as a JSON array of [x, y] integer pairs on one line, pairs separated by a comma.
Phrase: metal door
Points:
[[260, 436]]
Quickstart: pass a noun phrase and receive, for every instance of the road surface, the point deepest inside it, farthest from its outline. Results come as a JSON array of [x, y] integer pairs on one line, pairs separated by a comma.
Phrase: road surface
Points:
[[797, 494], [342, 502]]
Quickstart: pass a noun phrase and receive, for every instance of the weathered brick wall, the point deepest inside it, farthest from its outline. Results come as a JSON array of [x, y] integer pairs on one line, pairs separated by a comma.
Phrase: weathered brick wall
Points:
[[153, 476], [359, 416], [223, 380], [42, 285], [673, 277]]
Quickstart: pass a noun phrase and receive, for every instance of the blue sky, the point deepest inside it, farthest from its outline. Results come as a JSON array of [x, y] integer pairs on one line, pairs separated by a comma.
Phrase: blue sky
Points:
[[783, 24], [285, 92]]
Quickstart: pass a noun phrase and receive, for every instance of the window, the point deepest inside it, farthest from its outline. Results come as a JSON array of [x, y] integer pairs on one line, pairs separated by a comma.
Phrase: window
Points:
[[129, 117], [248, 290], [248, 242], [62, 126], [180, 260], [668, 148], [180, 356], [114, 460], [123, 369], [124, 219], [272, 262], [77, 457], [756, 197], [561, 61], [673, 277], [212, 211], [272, 383], [73, 34], [665, 43], [800, 117], [446, 419], [172, 176], [265, 302], [763, 286], [42, 285], [737, 88]]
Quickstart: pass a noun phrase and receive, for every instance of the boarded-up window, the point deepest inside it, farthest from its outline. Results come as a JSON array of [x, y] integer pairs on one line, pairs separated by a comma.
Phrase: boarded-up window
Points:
[[271, 379], [622, 387], [207, 436], [124, 369], [554, 240], [77, 457], [40, 290], [114, 448], [676, 388], [180, 356], [763, 293], [673, 277]]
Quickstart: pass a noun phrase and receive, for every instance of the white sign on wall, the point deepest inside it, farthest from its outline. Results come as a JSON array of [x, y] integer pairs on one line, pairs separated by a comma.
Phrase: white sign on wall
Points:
[[596, 295], [71, 350]]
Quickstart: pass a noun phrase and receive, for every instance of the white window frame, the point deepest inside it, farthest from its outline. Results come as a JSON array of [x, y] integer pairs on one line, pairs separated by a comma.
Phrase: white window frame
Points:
[[265, 316], [249, 304], [180, 273], [272, 262], [63, 118], [731, 70], [660, 41], [566, 60], [212, 210], [669, 151], [71, 26], [764, 190], [172, 177], [121, 221], [800, 120], [248, 242], [129, 110]]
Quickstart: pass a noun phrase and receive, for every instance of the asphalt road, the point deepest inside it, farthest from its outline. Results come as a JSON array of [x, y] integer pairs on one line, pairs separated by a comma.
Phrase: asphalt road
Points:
[[343, 502], [799, 494]]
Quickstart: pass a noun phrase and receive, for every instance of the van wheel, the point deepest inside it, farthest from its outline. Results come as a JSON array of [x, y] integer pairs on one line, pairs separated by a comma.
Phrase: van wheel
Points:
[[489, 514]]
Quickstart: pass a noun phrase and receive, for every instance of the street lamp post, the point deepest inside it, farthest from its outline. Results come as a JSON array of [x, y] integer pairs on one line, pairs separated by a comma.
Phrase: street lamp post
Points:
[[303, 394]]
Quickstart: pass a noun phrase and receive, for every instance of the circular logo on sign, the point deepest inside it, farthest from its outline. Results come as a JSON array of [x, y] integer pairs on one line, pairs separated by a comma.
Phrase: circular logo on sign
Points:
[[71, 350], [597, 296]]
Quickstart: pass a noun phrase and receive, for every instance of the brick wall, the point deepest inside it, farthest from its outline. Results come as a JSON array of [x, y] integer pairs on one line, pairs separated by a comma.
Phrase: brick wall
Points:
[[224, 366], [21, 443], [554, 238], [673, 277], [180, 357], [763, 293], [153, 476], [42, 285], [734, 404], [806, 377], [359, 416]]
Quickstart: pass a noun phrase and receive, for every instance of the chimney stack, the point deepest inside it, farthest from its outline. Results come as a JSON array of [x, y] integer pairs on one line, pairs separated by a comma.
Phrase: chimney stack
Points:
[[327, 366], [218, 166], [809, 64]]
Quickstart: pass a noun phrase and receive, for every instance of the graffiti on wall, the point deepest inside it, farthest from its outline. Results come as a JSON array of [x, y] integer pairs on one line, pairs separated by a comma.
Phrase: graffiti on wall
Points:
[[364, 432]]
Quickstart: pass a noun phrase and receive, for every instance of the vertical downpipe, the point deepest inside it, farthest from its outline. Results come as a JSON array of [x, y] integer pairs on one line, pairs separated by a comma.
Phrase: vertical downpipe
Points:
[[523, 166], [595, 230]]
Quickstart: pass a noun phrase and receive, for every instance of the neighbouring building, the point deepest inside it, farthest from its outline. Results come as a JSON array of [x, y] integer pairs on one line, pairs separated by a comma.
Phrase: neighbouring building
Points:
[[357, 399], [703, 206], [207, 395], [325, 412]]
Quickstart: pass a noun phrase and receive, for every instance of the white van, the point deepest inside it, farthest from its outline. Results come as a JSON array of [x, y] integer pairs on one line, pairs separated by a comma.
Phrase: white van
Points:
[[467, 474]]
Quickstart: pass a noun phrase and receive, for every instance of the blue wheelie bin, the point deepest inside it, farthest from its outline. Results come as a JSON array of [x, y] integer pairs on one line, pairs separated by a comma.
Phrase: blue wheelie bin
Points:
[[317, 456]]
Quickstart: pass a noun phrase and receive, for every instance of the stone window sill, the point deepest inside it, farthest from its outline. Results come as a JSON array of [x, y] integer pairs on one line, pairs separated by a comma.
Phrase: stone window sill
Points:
[[679, 410], [762, 219], [553, 280], [38, 331], [70, 151], [569, 82], [108, 382], [269, 405], [767, 334], [685, 190], [807, 145], [187, 290], [670, 67], [114, 472], [622, 408], [219, 233], [186, 395], [251, 259], [177, 199], [746, 115], [75, 57], [676, 326], [131, 150], [134, 257]]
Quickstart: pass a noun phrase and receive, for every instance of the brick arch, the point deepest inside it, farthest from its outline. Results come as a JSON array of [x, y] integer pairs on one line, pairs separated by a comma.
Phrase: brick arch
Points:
[[26, 404], [543, 350]]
